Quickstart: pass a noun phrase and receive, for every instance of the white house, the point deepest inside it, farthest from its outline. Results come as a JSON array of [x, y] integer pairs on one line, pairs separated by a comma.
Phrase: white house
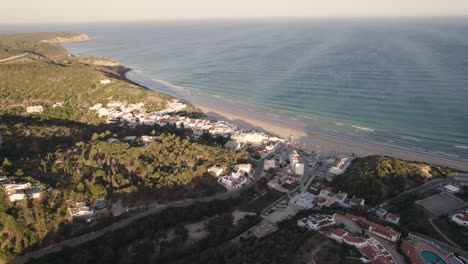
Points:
[[342, 236], [269, 163], [247, 168], [461, 218], [217, 171], [17, 186], [317, 221], [297, 166], [340, 165], [392, 218], [34, 109], [81, 209], [16, 196], [451, 189], [105, 81]]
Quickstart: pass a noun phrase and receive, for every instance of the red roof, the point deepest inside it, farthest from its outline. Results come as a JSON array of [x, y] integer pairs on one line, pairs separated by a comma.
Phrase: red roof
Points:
[[369, 252], [385, 231], [392, 217], [339, 232], [357, 200], [409, 251], [326, 188], [322, 200], [355, 240], [463, 217]]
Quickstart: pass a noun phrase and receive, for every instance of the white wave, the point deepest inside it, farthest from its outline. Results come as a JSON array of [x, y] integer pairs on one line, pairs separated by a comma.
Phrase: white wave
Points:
[[445, 154], [461, 147], [339, 124], [411, 138], [273, 115], [249, 109], [168, 84], [292, 118], [308, 117], [217, 96], [364, 128]]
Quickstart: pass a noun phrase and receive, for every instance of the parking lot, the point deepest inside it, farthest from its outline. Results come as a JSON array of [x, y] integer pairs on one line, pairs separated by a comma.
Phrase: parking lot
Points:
[[442, 203]]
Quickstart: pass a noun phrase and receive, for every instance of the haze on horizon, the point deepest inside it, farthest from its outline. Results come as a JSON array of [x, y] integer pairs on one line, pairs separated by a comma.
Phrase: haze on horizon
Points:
[[50, 11]]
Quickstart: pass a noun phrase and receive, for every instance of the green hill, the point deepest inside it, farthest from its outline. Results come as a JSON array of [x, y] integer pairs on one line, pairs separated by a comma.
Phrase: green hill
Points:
[[376, 177], [67, 147]]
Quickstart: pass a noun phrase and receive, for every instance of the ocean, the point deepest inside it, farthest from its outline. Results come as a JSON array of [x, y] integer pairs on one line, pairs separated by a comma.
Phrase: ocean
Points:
[[400, 82]]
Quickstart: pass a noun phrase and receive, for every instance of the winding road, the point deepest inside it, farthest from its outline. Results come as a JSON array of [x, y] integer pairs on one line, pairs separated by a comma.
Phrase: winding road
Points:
[[76, 241]]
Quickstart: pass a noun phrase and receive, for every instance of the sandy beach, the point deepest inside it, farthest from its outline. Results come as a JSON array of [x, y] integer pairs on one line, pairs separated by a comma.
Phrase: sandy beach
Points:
[[325, 144]]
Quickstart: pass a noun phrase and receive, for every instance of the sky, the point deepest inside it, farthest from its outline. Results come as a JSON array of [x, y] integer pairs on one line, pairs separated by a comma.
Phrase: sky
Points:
[[50, 11]]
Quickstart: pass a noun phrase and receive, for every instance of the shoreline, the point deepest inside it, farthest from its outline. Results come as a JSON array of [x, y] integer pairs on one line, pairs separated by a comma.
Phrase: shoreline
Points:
[[323, 143], [326, 143]]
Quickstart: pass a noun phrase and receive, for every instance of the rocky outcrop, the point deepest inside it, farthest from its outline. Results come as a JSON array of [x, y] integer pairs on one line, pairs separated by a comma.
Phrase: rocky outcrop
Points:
[[75, 38]]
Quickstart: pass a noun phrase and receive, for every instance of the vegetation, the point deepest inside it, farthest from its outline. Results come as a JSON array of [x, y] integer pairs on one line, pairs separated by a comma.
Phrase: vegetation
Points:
[[376, 178], [142, 241], [67, 147], [455, 232], [34, 43], [413, 218], [290, 244]]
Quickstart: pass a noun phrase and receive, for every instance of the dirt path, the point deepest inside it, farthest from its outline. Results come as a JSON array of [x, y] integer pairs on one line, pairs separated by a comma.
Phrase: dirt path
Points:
[[441, 233], [14, 57], [312, 255]]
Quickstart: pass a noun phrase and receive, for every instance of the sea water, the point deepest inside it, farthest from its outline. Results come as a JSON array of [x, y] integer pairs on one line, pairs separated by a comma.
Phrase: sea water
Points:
[[401, 82]]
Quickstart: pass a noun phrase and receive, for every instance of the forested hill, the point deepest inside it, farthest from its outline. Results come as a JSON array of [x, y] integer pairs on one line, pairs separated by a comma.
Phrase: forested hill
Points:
[[376, 177], [71, 154]]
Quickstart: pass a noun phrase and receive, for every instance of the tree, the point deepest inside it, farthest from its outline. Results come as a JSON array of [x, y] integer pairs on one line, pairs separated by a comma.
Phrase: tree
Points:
[[98, 191]]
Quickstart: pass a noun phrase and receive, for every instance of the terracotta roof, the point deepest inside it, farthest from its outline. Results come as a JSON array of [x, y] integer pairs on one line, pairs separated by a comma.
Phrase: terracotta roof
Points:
[[392, 217], [369, 252], [355, 240], [339, 232], [322, 200]]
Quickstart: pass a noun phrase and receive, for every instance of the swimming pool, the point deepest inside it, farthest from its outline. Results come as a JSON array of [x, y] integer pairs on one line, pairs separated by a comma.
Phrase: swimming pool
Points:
[[432, 257]]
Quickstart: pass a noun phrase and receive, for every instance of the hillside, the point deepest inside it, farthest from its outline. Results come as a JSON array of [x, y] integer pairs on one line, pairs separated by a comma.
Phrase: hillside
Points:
[[376, 177], [72, 81], [71, 155], [44, 43]]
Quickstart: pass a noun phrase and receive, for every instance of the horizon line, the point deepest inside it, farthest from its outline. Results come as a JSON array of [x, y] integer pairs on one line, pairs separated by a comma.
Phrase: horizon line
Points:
[[242, 19]]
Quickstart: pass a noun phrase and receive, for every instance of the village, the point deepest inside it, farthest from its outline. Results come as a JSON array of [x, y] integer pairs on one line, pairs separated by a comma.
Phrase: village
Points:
[[304, 178]]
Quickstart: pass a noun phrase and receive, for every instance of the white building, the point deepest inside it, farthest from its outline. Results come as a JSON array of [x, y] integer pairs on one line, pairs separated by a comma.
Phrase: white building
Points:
[[80, 209], [250, 137], [247, 168], [58, 104], [16, 186], [297, 166], [317, 221], [460, 218], [105, 81], [268, 164], [392, 218], [16, 195], [340, 165], [34, 109], [342, 236], [217, 171], [451, 189]]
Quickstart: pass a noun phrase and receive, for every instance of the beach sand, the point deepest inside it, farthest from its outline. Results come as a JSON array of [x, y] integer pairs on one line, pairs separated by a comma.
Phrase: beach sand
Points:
[[322, 143]]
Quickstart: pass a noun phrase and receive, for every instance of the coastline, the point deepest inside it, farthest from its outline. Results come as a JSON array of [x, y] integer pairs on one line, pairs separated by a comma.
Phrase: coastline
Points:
[[327, 143], [323, 143]]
